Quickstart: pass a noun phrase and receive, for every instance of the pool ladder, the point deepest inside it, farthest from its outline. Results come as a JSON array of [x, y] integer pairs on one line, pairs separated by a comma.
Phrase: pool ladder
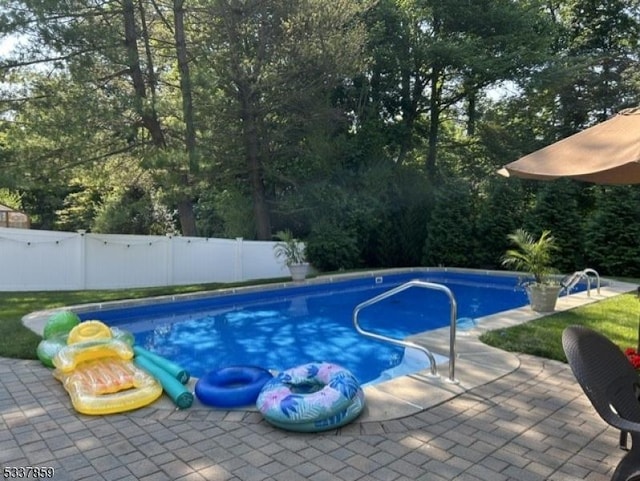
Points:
[[571, 281], [401, 342]]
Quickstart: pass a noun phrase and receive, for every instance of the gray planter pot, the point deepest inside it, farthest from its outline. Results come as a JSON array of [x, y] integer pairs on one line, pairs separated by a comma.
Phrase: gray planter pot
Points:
[[299, 271], [543, 297]]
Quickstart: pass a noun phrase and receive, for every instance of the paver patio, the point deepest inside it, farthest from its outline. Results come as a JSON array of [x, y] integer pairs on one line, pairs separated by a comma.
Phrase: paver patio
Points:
[[531, 424], [511, 417]]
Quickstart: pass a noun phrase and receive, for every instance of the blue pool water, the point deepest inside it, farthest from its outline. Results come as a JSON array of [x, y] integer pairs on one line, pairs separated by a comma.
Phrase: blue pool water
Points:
[[283, 327]]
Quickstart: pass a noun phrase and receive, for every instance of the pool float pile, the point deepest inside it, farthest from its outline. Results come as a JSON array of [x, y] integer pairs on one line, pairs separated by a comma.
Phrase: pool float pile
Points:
[[96, 366], [311, 398]]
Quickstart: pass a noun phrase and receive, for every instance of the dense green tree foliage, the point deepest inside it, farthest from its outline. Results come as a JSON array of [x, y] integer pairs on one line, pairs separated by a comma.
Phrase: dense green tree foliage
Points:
[[559, 206], [373, 130], [612, 232], [498, 214], [450, 240]]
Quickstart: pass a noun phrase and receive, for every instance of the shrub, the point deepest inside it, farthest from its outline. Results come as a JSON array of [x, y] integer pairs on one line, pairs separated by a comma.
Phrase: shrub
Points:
[[331, 248], [450, 240], [612, 232]]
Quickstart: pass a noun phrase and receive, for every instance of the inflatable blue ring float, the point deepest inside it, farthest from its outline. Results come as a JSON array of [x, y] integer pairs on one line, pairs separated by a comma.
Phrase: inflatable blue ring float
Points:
[[232, 386], [311, 398]]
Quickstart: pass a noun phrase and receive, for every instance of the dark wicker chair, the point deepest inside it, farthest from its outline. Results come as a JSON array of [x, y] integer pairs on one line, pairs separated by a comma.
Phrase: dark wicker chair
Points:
[[612, 385]]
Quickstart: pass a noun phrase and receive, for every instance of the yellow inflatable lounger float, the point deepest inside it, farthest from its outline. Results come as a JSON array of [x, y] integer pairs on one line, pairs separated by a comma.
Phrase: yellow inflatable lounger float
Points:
[[108, 386], [71, 356], [97, 372]]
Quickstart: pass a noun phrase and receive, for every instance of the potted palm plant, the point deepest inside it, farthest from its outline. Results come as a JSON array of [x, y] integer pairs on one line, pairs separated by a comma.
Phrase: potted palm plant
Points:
[[291, 250], [534, 256]]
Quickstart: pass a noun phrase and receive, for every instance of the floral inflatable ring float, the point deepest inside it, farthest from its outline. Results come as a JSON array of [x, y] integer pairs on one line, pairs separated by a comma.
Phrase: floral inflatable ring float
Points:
[[312, 397]]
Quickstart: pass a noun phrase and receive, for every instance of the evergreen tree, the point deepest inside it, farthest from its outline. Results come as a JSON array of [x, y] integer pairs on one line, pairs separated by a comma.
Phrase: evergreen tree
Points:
[[612, 234], [399, 239], [450, 240], [557, 209], [499, 213]]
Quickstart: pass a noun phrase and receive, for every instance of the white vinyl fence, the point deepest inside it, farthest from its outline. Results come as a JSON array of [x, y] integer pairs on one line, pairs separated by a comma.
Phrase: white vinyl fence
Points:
[[49, 260]]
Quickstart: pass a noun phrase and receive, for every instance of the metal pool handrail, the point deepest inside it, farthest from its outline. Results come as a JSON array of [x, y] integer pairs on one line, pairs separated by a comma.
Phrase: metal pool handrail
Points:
[[403, 343], [586, 273], [575, 278]]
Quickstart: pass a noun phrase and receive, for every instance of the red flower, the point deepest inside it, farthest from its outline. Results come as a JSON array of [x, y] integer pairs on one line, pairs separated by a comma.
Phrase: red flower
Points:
[[633, 356]]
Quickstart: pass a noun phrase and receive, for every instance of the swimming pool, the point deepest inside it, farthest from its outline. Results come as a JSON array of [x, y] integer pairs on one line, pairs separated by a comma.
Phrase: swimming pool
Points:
[[281, 327]]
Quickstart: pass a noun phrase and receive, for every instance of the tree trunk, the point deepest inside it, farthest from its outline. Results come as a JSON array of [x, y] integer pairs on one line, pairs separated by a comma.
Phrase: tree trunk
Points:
[[408, 117], [185, 204], [249, 117], [148, 115], [471, 111], [187, 217], [434, 120], [185, 85]]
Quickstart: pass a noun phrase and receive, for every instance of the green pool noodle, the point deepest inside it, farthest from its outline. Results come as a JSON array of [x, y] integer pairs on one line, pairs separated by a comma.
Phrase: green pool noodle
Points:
[[173, 388], [171, 367]]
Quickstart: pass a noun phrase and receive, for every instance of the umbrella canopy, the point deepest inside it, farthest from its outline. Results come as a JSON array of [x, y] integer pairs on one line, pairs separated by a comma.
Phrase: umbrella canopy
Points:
[[607, 153]]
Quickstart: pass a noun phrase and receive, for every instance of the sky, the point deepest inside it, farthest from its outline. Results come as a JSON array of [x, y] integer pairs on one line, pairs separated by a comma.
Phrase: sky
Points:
[[5, 45]]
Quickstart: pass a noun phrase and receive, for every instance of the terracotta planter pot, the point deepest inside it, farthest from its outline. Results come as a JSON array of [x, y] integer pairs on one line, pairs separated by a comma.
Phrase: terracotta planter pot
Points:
[[543, 297]]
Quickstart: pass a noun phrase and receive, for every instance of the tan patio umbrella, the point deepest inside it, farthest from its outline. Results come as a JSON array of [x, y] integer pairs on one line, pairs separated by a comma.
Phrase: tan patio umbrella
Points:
[[607, 153]]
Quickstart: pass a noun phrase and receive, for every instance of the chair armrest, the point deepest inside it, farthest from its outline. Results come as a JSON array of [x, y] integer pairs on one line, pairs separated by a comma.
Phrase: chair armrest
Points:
[[623, 424]]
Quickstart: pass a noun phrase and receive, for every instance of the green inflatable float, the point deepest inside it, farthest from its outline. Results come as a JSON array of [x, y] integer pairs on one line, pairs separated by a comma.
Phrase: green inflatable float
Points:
[[54, 335], [60, 323]]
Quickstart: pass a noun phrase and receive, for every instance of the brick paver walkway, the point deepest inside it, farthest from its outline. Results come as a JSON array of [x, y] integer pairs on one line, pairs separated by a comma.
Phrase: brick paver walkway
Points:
[[533, 424]]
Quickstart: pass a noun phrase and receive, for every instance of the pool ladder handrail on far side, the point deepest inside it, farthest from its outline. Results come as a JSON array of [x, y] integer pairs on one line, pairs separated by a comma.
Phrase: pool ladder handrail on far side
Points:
[[403, 343], [570, 281]]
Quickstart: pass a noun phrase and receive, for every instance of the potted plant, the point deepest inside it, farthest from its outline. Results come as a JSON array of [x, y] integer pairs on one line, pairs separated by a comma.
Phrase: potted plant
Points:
[[534, 256], [292, 251]]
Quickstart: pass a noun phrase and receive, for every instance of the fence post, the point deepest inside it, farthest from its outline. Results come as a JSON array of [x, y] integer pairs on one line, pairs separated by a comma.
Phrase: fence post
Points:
[[169, 259], [238, 267], [82, 264]]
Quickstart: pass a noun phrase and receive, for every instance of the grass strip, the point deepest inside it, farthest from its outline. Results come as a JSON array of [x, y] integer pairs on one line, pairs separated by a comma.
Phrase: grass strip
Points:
[[616, 317]]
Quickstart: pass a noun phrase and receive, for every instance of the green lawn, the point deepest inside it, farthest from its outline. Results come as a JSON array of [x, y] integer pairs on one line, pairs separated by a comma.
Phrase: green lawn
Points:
[[617, 318]]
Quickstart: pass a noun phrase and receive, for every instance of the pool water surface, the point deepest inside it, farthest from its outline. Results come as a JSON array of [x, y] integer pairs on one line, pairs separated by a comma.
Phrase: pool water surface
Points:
[[279, 328]]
